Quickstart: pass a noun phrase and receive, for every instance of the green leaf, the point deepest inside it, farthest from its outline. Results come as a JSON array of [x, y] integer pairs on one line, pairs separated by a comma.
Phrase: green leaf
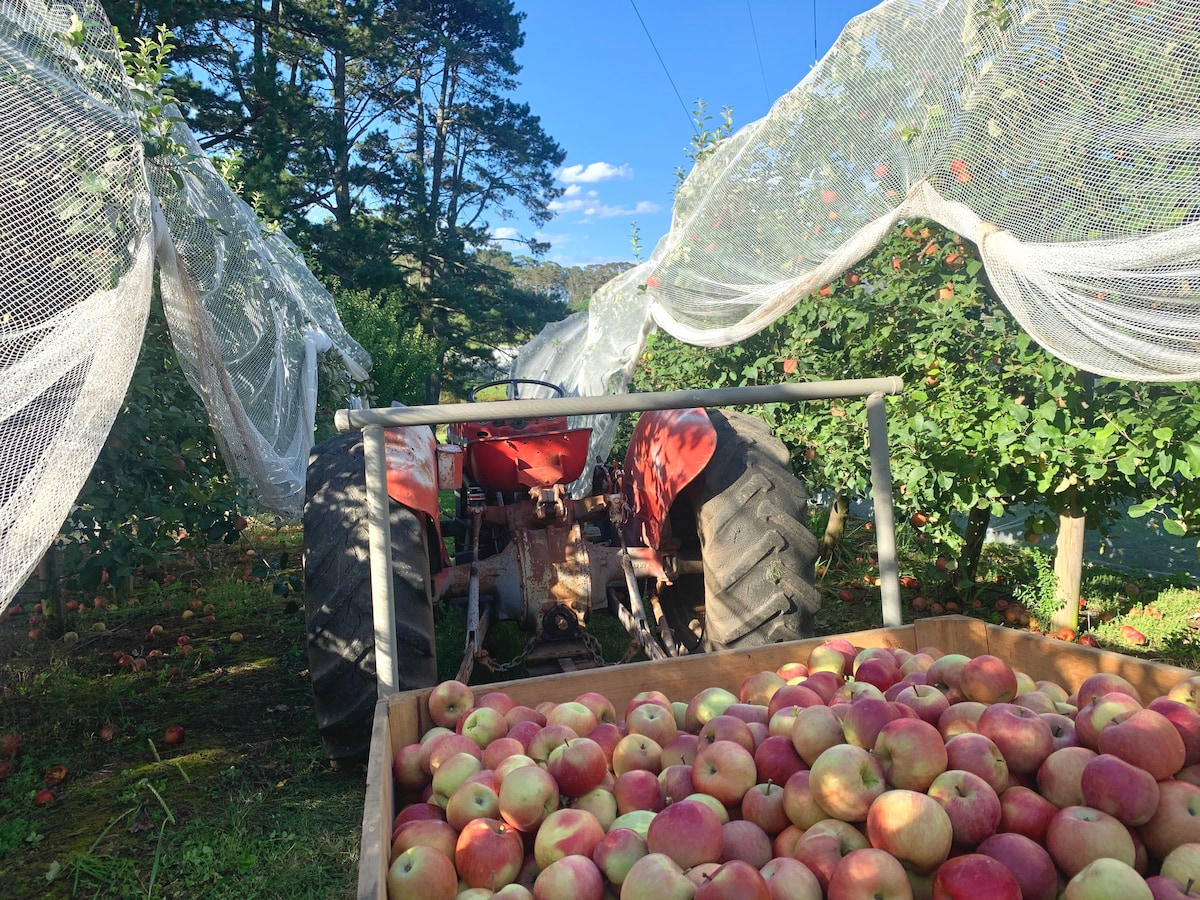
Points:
[[1174, 527], [1137, 510]]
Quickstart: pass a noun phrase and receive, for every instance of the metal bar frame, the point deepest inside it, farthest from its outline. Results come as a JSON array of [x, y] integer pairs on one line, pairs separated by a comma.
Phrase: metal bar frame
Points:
[[373, 421]]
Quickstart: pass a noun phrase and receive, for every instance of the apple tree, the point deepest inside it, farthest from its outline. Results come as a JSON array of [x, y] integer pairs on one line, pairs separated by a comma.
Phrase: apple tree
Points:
[[987, 419]]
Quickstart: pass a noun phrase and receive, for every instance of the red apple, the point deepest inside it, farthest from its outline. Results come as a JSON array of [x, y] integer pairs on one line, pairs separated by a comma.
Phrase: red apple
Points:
[[814, 731], [616, 853], [636, 751], [424, 872], [1028, 861], [174, 734], [793, 695], [987, 679], [601, 707], [777, 760], [578, 766], [974, 752], [928, 702], [725, 728], [798, 802], [960, 718], [473, 800], [725, 770], [676, 783], [448, 701], [1182, 865], [435, 833], [865, 719], [688, 832], [1092, 716], [1025, 811], [911, 753], [1186, 720], [758, 688], [1122, 790], [1176, 821], [734, 880], [972, 877], [551, 735], [945, 673], [566, 832], [575, 715], [646, 697], [748, 712], [820, 853], [763, 805], [845, 780], [681, 750], [657, 877], [912, 827], [499, 750], [1022, 736], [970, 803], [745, 840], [1146, 739], [638, 789], [1078, 835], [527, 795], [524, 714], [790, 879], [1058, 778], [482, 724], [869, 873], [570, 878], [1101, 683], [488, 854], [1105, 878], [706, 704], [1062, 730], [44, 797]]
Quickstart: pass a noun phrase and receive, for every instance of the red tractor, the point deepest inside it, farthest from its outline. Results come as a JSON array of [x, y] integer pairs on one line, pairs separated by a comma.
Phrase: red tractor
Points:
[[697, 543]]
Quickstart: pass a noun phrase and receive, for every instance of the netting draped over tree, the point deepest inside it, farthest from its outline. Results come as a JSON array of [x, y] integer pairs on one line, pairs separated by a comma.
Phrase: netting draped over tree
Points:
[[1061, 137], [82, 218]]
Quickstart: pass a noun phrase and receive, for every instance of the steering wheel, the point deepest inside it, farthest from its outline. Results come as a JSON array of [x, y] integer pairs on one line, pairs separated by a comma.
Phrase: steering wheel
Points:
[[514, 387]]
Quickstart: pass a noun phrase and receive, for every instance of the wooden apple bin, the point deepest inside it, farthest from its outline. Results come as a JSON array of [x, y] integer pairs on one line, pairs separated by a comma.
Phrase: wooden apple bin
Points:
[[402, 718]]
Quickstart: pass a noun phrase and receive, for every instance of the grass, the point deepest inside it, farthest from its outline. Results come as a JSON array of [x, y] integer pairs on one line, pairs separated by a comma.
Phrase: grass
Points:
[[246, 806]]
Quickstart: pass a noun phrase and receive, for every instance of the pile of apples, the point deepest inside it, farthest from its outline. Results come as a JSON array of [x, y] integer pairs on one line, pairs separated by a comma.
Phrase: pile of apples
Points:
[[864, 773]]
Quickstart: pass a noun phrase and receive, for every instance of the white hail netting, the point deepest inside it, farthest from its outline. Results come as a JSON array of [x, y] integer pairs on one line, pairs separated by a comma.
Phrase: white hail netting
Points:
[[1062, 137], [79, 231]]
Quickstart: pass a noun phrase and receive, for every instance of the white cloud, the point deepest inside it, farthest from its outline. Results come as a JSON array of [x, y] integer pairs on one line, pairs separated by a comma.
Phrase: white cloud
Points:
[[505, 232], [597, 171], [571, 190], [589, 207]]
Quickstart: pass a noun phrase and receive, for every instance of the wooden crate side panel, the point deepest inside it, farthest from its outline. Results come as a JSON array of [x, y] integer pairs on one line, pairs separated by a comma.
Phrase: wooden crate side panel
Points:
[[952, 634], [379, 810], [1069, 664]]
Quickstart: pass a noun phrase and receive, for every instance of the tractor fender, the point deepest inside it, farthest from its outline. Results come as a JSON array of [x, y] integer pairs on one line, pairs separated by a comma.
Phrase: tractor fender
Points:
[[668, 450], [411, 454]]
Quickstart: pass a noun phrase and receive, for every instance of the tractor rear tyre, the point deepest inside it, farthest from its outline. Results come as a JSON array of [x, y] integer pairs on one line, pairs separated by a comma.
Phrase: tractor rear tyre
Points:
[[337, 598], [746, 513]]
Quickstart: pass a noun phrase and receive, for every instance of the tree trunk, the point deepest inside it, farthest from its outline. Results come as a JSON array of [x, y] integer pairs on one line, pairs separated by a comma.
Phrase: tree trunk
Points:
[[835, 528], [1068, 565], [977, 525]]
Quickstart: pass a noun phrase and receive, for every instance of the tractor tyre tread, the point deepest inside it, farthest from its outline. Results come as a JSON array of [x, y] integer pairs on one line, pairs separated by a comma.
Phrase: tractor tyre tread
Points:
[[758, 555], [340, 627]]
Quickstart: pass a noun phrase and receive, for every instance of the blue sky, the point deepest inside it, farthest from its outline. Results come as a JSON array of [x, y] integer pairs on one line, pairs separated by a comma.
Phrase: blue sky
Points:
[[591, 74]]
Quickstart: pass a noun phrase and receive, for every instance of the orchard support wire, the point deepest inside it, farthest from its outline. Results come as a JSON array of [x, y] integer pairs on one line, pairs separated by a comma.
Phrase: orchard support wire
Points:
[[373, 421]]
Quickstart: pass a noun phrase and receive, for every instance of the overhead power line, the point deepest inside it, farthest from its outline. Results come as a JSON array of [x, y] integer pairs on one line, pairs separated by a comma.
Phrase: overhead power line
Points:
[[758, 53], [682, 105]]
